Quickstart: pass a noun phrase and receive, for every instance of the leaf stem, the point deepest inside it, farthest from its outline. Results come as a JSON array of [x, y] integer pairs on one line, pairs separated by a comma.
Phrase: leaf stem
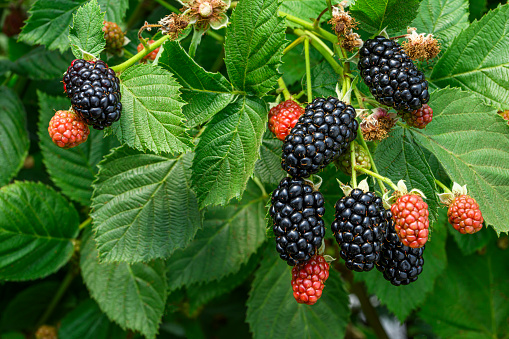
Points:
[[445, 188], [195, 41], [137, 57], [168, 6], [56, 298], [308, 70], [298, 96], [309, 25], [85, 223], [215, 35], [373, 165], [260, 185], [353, 163], [378, 176], [293, 44], [283, 88]]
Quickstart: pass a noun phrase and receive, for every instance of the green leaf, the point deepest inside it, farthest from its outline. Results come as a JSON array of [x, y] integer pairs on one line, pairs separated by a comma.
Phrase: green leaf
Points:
[[375, 15], [86, 35], [272, 311], [41, 64], [477, 9], [37, 230], [201, 294], [469, 243], [72, 170], [26, 308], [443, 18], [471, 142], [87, 321], [399, 157], [227, 151], [144, 206], [115, 9], [323, 80], [152, 116], [470, 298], [254, 46], [138, 290], [268, 167], [49, 23], [478, 59], [13, 135], [305, 9], [230, 235], [206, 93], [402, 300]]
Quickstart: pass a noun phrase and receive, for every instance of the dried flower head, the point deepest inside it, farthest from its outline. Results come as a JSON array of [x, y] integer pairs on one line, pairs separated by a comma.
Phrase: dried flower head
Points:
[[420, 46], [206, 13], [341, 21], [351, 41], [172, 25], [378, 125]]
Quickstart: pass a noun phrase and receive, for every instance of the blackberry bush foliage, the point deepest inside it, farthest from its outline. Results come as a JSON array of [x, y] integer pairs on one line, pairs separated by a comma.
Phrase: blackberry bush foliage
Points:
[[208, 167]]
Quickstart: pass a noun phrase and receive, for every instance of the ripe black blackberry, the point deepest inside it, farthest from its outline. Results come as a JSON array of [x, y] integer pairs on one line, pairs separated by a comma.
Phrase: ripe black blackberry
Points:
[[392, 76], [359, 228], [94, 91], [296, 212], [322, 133], [399, 264]]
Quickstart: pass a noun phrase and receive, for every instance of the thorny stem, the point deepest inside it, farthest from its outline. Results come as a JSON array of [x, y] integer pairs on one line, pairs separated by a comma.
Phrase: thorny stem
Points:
[[146, 26], [195, 41], [373, 165], [378, 176], [308, 70], [309, 25], [56, 298], [353, 164], [137, 57], [168, 6], [283, 88], [85, 223], [260, 185], [445, 188]]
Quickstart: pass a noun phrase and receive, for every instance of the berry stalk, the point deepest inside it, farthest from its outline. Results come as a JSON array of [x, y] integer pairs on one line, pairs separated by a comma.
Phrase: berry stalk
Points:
[[445, 188], [137, 57], [373, 165], [284, 89], [378, 176], [308, 70], [353, 165], [309, 26]]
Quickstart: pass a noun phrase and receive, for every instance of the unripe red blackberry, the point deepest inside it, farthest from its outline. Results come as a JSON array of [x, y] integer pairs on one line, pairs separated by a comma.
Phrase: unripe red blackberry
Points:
[[344, 162], [283, 117], [420, 117], [411, 221], [464, 215], [297, 212], [391, 75], [359, 227], [308, 280], [94, 91], [399, 264], [152, 55], [67, 130], [322, 133], [114, 37]]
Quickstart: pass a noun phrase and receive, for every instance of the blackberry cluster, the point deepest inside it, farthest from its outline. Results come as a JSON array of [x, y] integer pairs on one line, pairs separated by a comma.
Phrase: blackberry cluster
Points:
[[296, 213], [322, 133], [359, 228], [399, 264], [94, 91], [392, 76]]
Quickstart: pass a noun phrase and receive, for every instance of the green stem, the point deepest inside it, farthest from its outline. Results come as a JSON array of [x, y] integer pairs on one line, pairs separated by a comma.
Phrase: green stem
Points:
[[298, 96], [168, 6], [353, 163], [378, 176], [283, 88], [260, 185], [128, 54], [358, 95], [197, 34], [329, 6], [56, 298], [323, 49], [445, 188], [309, 25], [293, 44], [308, 70], [85, 223], [373, 165], [215, 35], [137, 57]]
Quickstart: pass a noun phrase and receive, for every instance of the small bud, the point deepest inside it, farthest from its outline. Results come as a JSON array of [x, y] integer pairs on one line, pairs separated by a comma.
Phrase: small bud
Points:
[[205, 9]]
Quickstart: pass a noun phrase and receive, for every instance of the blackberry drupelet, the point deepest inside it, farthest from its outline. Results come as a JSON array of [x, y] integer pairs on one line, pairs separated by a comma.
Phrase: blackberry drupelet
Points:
[[399, 264], [94, 91], [359, 228], [391, 75], [322, 133], [296, 212]]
